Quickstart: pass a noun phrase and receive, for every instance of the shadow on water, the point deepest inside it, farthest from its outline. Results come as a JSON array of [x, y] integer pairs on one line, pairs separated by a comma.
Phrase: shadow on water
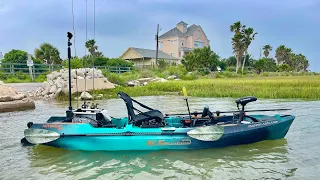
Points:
[[135, 164]]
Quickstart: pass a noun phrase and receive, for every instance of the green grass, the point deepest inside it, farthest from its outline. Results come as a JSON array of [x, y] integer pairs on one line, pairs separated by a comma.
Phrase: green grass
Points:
[[282, 87]]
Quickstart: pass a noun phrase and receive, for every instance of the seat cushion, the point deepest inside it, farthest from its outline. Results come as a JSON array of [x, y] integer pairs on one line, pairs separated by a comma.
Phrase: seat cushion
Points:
[[149, 115]]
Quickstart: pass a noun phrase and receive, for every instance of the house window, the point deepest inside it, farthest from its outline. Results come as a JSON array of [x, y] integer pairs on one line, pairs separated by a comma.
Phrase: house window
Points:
[[199, 33], [160, 45], [182, 42], [198, 44], [195, 45]]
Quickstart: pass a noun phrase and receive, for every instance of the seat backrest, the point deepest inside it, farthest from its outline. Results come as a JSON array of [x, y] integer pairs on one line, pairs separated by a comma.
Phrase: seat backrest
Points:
[[129, 105]]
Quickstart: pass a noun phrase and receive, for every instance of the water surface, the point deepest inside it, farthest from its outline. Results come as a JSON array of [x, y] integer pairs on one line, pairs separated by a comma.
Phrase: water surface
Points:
[[297, 156]]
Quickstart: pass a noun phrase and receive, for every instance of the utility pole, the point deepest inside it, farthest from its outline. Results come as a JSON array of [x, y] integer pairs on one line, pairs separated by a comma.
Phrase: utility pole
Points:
[[157, 37], [260, 54]]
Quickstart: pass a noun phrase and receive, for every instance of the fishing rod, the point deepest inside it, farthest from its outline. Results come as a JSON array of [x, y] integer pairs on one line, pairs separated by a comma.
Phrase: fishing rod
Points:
[[219, 112]]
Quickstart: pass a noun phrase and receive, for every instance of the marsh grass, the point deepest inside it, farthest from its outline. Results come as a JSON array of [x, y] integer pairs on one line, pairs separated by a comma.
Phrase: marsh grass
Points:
[[277, 87]]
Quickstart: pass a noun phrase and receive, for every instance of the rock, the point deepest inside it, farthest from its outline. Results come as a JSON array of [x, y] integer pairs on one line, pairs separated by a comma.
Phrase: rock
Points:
[[145, 83], [172, 77], [51, 96], [99, 96], [160, 80], [80, 73], [18, 105], [86, 96], [177, 79], [11, 100], [53, 89], [133, 83], [58, 81], [50, 82], [59, 90], [142, 80], [49, 77], [65, 76]]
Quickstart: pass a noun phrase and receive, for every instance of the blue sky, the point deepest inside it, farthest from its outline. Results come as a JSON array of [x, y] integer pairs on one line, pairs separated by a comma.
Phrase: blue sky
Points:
[[132, 23]]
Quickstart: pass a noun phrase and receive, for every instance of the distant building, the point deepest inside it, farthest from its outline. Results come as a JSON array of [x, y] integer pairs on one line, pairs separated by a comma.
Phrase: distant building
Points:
[[146, 57], [182, 39]]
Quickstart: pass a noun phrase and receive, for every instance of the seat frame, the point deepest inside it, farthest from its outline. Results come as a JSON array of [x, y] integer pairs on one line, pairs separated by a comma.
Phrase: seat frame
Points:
[[138, 119]]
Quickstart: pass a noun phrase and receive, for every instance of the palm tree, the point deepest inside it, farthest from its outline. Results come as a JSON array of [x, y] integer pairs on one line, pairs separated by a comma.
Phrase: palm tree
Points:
[[48, 53], [283, 54], [237, 44], [248, 37], [90, 45], [266, 50]]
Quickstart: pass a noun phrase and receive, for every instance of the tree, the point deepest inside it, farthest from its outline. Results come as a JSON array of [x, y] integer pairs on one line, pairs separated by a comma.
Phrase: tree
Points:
[[231, 61], [298, 62], [48, 53], [237, 42], [283, 54], [201, 58], [266, 50], [265, 64], [14, 56], [248, 37]]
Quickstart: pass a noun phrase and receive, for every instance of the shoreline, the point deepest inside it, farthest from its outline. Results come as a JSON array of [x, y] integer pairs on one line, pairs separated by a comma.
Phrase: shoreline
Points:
[[286, 87]]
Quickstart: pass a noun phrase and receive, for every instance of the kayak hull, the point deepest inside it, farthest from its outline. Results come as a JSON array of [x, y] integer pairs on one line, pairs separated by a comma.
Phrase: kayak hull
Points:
[[82, 136]]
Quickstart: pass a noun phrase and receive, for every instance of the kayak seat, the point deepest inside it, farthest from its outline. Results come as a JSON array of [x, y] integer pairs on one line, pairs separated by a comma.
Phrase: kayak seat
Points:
[[148, 116], [142, 118]]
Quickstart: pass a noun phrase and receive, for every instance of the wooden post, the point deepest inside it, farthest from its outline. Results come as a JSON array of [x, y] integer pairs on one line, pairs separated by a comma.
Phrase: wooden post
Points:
[[30, 72]]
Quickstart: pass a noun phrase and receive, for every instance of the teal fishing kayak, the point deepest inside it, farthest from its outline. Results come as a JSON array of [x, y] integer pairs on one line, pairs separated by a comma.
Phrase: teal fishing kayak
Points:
[[94, 130]]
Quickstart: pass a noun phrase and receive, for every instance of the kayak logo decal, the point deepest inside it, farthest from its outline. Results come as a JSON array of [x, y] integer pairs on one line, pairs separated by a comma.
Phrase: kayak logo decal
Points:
[[262, 124], [166, 143], [52, 126]]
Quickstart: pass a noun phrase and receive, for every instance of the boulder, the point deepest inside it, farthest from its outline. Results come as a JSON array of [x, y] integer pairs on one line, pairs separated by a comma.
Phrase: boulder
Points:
[[86, 96], [53, 89], [133, 83], [18, 105], [172, 77], [58, 80], [159, 80], [11, 100]]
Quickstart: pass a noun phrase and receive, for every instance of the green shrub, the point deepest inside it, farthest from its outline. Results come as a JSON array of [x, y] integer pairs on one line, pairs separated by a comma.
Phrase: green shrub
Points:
[[190, 76], [3, 76], [178, 70]]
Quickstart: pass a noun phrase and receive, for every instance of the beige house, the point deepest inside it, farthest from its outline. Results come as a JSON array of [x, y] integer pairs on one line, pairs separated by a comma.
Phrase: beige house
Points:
[[182, 39], [146, 57]]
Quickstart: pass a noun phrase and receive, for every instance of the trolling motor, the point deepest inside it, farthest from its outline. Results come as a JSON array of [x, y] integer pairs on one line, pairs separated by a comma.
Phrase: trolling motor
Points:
[[243, 102]]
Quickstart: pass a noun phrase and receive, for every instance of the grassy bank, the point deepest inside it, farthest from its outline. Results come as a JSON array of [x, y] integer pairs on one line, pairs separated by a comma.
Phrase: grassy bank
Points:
[[282, 87]]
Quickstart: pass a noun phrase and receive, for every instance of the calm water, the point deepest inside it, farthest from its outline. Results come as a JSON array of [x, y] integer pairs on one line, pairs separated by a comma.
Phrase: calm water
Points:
[[295, 157]]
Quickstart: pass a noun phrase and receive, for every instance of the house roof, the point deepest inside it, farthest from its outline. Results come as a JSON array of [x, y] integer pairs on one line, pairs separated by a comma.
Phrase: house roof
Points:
[[181, 22], [176, 32], [149, 53]]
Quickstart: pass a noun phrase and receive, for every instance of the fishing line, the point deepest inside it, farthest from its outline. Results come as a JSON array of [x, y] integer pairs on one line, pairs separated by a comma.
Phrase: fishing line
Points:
[[74, 33], [94, 32]]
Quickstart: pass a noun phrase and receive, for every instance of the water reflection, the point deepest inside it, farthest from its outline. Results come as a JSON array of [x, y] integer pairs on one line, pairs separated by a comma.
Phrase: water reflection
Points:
[[191, 163]]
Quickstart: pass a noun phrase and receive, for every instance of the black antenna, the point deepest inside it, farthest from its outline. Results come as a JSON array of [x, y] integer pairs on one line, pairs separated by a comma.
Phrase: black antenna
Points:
[[69, 57]]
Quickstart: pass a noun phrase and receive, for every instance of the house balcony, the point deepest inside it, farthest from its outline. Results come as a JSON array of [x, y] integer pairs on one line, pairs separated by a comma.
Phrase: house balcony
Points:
[[185, 49]]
